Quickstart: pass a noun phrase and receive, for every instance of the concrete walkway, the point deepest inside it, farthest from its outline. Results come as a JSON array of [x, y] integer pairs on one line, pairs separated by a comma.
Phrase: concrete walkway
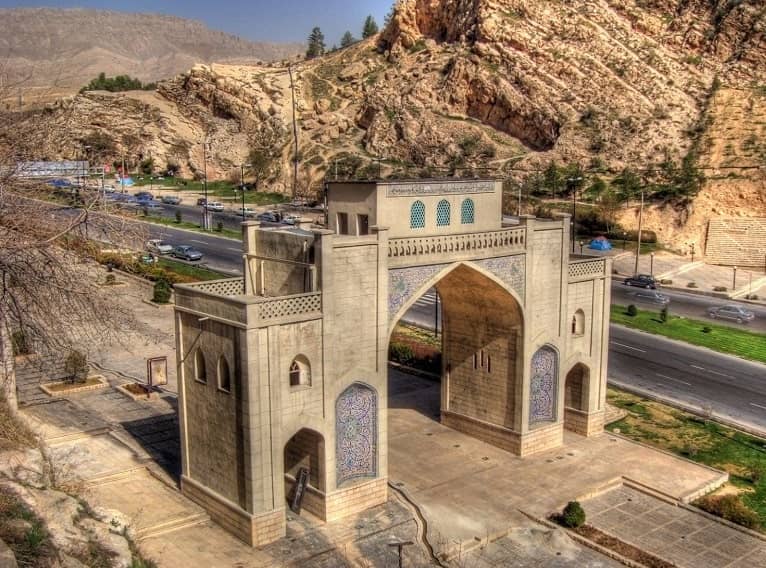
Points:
[[470, 490]]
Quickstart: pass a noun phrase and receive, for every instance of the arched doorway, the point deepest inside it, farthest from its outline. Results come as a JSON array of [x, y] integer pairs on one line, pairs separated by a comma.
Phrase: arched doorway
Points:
[[576, 397], [481, 355], [306, 450]]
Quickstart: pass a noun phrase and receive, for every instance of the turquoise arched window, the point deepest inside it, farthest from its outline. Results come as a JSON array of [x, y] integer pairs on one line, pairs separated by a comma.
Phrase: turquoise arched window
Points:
[[466, 212], [417, 215], [442, 213]]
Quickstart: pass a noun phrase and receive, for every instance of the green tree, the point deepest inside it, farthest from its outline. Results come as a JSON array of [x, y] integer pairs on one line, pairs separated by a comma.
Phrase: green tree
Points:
[[316, 44], [370, 27], [552, 179], [597, 188], [347, 39], [628, 184]]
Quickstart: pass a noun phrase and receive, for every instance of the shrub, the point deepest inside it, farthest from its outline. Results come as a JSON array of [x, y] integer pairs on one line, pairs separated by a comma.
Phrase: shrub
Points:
[[707, 329], [76, 367], [664, 314], [731, 508], [573, 515], [219, 226], [666, 282], [691, 285], [757, 473], [632, 311], [162, 291], [110, 279], [179, 216], [719, 288], [401, 353], [20, 344]]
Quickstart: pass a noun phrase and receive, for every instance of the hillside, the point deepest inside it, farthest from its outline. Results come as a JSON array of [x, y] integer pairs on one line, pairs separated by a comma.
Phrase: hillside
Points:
[[502, 85], [62, 49]]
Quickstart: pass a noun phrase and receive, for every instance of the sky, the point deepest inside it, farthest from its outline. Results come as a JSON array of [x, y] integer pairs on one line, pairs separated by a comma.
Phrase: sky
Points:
[[264, 20]]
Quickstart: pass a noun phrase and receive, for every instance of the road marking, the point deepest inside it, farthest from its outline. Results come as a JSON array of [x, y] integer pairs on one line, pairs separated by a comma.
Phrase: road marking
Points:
[[720, 374], [672, 379], [628, 347], [757, 405], [235, 250], [196, 241], [697, 367]]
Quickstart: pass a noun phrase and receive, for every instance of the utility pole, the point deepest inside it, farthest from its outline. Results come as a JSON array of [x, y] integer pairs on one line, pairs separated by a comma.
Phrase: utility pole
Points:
[[242, 187], [573, 182], [640, 225], [295, 134], [204, 168]]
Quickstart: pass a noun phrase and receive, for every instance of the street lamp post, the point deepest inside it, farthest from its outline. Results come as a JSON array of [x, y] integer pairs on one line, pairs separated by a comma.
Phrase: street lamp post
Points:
[[734, 280], [692, 251], [581, 244], [242, 187], [574, 181], [651, 263], [624, 239], [205, 220]]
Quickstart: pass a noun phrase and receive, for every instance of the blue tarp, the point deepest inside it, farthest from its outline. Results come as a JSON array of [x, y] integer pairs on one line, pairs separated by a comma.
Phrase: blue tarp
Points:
[[600, 243], [60, 183]]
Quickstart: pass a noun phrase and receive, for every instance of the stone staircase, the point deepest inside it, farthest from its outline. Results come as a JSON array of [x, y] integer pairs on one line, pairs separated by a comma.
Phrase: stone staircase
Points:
[[737, 242]]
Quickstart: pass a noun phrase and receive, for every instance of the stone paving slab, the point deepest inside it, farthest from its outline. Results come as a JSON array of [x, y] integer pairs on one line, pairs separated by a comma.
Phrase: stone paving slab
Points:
[[62, 418], [674, 533], [469, 489]]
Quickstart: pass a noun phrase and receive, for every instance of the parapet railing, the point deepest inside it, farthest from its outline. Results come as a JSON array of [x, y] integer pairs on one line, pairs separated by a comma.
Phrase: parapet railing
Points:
[[587, 269], [412, 250], [289, 306], [228, 287]]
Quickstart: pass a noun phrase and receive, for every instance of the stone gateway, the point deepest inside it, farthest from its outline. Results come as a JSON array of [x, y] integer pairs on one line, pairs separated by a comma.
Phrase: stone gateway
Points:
[[285, 369]]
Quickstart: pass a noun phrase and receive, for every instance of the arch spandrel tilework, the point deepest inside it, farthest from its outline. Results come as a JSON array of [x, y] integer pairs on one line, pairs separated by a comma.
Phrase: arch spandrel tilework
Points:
[[404, 282], [509, 269], [356, 432], [542, 390]]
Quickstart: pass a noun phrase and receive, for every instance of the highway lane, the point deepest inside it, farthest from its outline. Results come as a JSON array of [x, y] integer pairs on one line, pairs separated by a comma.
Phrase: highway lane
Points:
[[700, 379], [690, 305]]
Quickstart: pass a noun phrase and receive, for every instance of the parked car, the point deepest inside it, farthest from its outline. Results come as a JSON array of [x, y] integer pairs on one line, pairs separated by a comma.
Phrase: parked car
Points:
[[144, 196], [108, 189], [267, 218], [642, 280], [148, 258], [290, 219], [201, 201], [171, 199], [731, 312], [214, 206], [186, 252], [246, 212], [151, 205], [652, 297], [158, 246]]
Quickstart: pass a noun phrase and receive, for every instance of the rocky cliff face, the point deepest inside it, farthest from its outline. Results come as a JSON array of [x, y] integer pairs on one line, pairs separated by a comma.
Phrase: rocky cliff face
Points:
[[492, 84]]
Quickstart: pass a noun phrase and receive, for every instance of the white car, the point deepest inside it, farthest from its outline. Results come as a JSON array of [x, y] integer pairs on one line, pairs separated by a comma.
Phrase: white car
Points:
[[158, 246], [247, 212], [214, 206], [291, 219]]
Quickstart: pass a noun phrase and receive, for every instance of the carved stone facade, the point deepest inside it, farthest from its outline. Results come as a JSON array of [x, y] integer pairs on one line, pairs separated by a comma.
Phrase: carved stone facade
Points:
[[305, 335]]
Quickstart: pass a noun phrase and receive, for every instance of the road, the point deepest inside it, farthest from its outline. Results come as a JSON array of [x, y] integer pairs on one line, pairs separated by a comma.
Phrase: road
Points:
[[690, 376]]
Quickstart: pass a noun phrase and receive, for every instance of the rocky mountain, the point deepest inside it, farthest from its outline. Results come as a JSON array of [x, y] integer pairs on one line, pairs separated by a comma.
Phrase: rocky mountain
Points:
[[59, 50], [495, 85]]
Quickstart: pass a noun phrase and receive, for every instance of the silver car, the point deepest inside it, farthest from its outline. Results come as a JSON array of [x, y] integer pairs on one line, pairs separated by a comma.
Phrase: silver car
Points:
[[652, 297], [731, 312]]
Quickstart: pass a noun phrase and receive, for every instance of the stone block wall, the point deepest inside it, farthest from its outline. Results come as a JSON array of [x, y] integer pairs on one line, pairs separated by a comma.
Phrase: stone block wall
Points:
[[541, 439], [356, 498], [498, 436], [584, 423]]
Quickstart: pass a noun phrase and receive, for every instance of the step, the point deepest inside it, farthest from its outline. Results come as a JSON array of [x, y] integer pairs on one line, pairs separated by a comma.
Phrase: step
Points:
[[171, 525]]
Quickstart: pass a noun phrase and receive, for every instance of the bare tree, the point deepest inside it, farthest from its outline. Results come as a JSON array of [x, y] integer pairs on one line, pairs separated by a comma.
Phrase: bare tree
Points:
[[50, 293]]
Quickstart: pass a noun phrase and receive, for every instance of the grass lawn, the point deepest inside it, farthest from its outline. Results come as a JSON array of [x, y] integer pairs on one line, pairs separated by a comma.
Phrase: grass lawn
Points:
[[216, 189], [197, 273], [231, 233], [746, 344], [703, 441]]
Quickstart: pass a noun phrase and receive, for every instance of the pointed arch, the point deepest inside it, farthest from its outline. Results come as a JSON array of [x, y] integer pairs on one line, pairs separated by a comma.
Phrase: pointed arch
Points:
[[543, 385], [300, 372], [356, 433], [224, 375], [576, 387], [200, 366], [443, 213], [418, 215], [578, 323], [467, 212]]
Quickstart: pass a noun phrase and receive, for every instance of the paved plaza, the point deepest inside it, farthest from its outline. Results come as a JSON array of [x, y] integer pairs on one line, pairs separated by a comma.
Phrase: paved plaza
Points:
[[685, 537]]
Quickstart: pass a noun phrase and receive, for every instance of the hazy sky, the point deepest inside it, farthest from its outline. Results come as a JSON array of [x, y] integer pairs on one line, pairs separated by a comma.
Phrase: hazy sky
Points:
[[270, 20]]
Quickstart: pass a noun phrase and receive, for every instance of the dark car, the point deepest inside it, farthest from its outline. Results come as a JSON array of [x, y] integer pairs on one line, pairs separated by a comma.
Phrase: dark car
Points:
[[267, 218], [202, 201], [641, 280], [186, 252], [652, 297], [144, 196]]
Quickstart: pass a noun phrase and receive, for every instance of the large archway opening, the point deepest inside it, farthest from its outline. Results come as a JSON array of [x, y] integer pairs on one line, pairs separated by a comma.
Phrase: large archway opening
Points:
[[475, 354]]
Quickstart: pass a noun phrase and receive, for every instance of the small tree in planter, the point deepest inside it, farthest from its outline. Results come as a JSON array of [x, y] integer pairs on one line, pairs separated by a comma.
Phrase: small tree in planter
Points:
[[76, 367], [664, 314], [179, 217], [162, 291], [573, 515], [632, 311]]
